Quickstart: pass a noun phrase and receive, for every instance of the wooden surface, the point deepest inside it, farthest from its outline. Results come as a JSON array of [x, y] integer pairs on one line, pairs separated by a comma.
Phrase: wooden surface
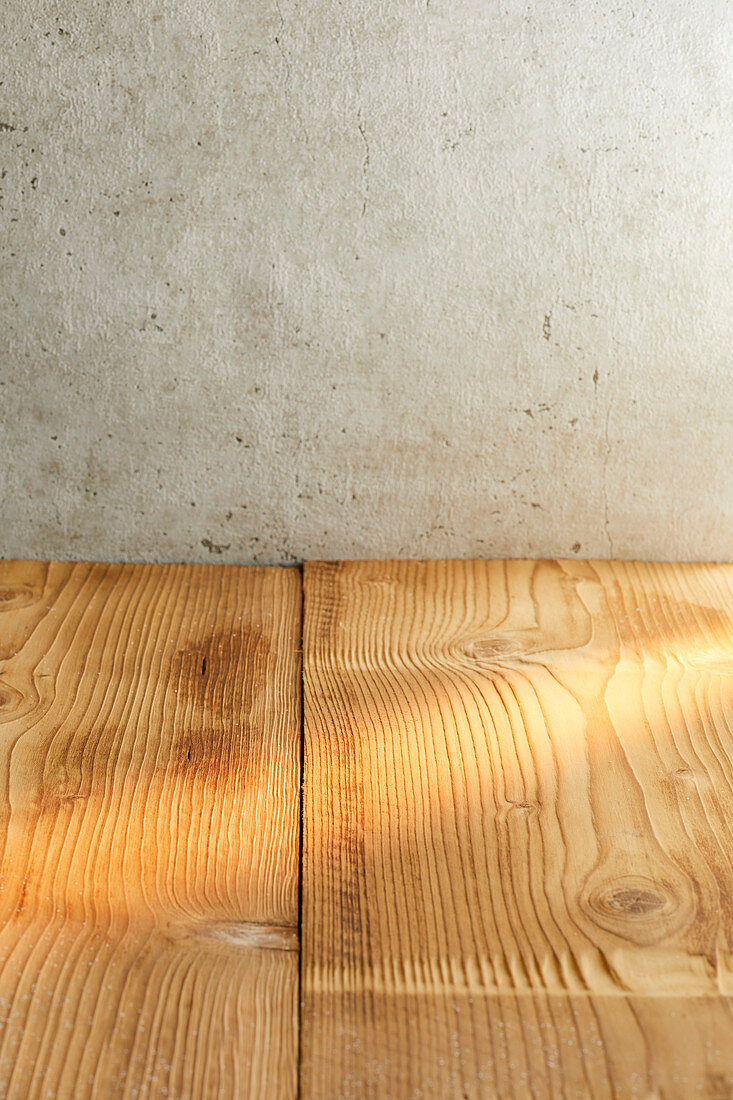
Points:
[[517, 872], [149, 770], [518, 831]]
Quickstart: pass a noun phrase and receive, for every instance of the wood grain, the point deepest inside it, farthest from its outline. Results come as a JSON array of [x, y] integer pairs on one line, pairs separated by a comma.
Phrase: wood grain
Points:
[[149, 831], [518, 830]]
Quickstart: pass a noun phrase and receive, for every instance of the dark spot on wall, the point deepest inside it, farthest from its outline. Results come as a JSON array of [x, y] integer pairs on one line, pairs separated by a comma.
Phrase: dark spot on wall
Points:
[[215, 547]]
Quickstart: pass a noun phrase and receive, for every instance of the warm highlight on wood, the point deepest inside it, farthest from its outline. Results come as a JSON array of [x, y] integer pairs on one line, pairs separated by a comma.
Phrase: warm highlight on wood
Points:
[[149, 772], [518, 831]]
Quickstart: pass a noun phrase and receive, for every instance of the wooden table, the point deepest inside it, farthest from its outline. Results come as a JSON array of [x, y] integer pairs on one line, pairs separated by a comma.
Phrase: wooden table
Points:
[[514, 874]]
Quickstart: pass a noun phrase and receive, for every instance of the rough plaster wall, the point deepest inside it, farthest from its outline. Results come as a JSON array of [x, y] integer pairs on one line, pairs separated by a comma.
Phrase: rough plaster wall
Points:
[[292, 280]]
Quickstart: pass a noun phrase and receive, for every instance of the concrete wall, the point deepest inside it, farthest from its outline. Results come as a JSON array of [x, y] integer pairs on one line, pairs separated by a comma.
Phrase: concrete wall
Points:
[[292, 279]]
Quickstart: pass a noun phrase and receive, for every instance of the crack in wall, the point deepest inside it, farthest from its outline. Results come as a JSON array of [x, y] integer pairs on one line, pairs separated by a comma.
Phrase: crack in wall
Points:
[[288, 81], [365, 166], [281, 48]]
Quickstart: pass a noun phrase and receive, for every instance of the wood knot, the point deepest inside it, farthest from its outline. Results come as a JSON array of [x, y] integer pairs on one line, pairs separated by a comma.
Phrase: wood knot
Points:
[[683, 773], [519, 807], [13, 596], [637, 908], [255, 935], [379, 581], [491, 650], [633, 901], [10, 697]]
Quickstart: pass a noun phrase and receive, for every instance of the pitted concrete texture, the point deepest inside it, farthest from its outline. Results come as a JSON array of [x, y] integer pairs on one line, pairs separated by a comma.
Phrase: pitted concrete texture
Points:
[[333, 279]]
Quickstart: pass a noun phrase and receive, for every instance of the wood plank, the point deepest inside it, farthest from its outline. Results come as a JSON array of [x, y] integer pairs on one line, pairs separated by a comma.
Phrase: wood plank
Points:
[[518, 830], [149, 831]]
